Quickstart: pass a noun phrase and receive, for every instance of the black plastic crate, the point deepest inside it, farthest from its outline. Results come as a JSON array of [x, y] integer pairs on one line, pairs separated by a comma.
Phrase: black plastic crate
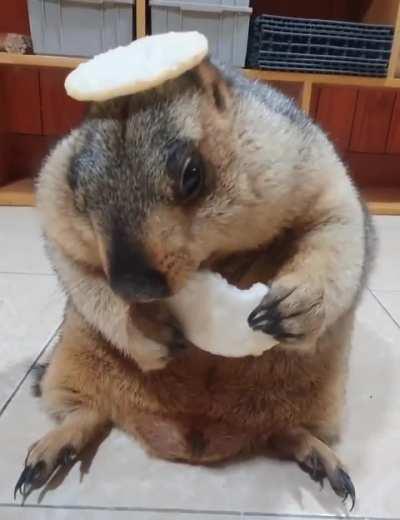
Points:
[[282, 43], [326, 26], [325, 68]]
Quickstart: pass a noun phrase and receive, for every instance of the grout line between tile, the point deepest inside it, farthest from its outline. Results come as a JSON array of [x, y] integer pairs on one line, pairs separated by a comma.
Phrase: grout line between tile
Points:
[[23, 379], [121, 509], [384, 307], [195, 512], [308, 516], [23, 273]]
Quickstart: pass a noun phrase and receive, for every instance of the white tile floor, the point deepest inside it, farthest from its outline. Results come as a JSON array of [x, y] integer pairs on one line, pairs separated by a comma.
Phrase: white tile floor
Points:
[[123, 482]]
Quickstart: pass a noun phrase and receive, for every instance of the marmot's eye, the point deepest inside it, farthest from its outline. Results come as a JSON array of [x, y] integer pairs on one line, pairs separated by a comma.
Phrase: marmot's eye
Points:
[[192, 177], [186, 167]]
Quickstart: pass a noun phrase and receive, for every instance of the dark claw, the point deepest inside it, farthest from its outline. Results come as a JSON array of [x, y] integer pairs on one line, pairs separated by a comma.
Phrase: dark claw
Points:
[[270, 322], [67, 456], [263, 313], [313, 467], [21, 481], [343, 486], [178, 342], [266, 319], [340, 482], [35, 475], [29, 476]]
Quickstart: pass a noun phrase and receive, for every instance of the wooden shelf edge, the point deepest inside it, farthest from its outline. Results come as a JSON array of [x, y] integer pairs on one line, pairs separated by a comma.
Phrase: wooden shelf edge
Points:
[[321, 79], [381, 201], [395, 51], [38, 60], [34, 60], [18, 193]]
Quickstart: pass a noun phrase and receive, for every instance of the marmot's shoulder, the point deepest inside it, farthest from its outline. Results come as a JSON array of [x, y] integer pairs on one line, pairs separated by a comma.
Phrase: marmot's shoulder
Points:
[[275, 100]]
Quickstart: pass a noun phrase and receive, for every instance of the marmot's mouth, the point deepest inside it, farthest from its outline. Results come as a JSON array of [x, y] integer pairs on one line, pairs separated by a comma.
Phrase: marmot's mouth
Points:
[[232, 267]]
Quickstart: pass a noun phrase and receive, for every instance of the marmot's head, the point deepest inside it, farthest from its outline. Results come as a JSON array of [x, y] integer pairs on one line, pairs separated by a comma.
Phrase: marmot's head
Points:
[[154, 184]]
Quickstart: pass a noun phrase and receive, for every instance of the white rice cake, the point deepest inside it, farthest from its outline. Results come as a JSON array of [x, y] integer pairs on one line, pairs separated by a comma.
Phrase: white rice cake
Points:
[[141, 65], [214, 315]]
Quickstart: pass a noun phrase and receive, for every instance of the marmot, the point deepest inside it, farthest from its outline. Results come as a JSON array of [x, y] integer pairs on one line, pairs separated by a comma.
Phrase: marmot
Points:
[[208, 170]]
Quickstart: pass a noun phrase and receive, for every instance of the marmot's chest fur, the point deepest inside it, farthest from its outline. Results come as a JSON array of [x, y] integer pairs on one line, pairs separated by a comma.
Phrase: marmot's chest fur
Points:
[[272, 390]]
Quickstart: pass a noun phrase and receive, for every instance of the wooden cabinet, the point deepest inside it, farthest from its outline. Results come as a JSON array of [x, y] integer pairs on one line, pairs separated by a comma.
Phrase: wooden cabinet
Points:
[[60, 113], [371, 170], [291, 89], [359, 120], [20, 100], [364, 123], [34, 112], [335, 113], [393, 144], [26, 153], [14, 17], [372, 120], [34, 102]]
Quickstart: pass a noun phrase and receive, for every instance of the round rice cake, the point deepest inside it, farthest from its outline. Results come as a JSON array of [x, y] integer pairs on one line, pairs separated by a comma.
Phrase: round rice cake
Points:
[[141, 65], [213, 315]]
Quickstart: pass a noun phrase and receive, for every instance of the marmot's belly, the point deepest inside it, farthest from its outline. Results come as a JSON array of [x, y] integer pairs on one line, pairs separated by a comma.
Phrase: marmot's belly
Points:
[[211, 409], [191, 439]]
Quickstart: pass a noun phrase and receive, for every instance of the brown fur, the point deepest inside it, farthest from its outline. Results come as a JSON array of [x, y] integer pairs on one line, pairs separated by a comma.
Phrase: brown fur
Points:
[[201, 408], [279, 208], [198, 392]]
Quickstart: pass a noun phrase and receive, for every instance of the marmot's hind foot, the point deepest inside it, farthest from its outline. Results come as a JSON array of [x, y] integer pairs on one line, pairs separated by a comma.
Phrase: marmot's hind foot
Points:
[[58, 449], [317, 459], [339, 479]]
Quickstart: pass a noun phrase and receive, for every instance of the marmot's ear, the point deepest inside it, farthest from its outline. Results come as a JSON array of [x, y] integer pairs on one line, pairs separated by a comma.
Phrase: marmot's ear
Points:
[[212, 81]]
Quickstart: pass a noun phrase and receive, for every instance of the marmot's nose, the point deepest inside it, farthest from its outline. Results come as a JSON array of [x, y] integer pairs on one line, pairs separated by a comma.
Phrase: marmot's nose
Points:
[[140, 286], [132, 276]]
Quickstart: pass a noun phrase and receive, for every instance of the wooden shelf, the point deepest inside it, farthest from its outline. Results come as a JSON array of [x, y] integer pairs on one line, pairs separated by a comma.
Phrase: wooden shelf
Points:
[[38, 60], [18, 193], [322, 79], [381, 201], [34, 60]]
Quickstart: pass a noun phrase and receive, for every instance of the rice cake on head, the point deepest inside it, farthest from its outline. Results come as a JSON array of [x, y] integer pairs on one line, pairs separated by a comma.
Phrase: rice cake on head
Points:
[[143, 64]]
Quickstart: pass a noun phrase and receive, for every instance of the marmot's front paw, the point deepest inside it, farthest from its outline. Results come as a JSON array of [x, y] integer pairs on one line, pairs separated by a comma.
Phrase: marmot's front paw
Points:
[[151, 356], [292, 311], [161, 338]]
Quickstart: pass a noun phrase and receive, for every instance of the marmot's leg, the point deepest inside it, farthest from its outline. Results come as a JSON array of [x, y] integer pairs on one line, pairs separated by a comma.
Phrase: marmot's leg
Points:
[[315, 458], [72, 390], [59, 447], [322, 279]]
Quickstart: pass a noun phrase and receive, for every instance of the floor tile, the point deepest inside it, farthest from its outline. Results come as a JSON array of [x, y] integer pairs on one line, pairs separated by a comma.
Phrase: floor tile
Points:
[[391, 301], [27, 513], [21, 243], [122, 475], [385, 274], [268, 517], [30, 312]]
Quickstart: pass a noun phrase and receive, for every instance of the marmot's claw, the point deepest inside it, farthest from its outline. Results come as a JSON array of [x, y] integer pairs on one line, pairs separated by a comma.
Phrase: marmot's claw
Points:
[[343, 486], [35, 475], [267, 318], [339, 480], [313, 466], [30, 476], [178, 341], [289, 312]]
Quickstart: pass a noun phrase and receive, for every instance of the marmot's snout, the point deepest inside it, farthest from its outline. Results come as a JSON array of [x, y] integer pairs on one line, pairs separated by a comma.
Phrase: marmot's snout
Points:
[[140, 286], [131, 274]]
